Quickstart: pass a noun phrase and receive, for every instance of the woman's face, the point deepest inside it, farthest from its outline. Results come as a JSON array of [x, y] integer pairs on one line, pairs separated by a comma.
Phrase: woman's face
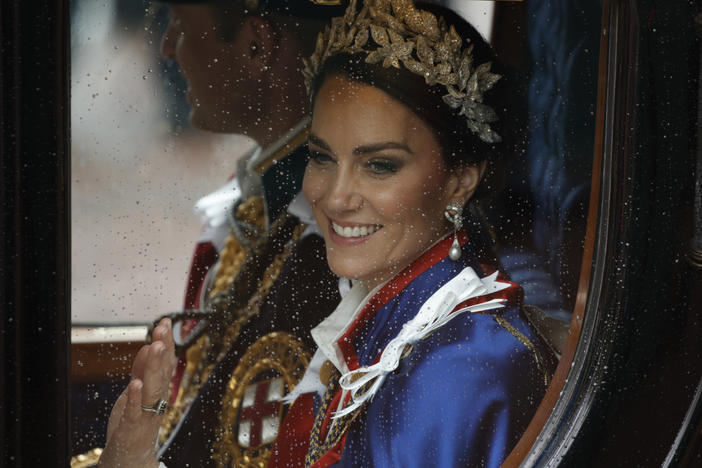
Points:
[[376, 181]]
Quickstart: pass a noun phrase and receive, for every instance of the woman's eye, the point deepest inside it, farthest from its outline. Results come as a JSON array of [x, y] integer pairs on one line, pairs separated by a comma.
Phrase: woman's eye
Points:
[[383, 166], [320, 158]]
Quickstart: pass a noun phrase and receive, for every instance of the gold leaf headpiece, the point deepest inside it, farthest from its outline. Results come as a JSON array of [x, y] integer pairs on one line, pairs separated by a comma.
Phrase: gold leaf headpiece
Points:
[[395, 32]]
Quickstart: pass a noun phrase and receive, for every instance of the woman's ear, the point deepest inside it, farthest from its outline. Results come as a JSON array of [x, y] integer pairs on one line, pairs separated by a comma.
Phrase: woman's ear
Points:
[[466, 181], [262, 39]]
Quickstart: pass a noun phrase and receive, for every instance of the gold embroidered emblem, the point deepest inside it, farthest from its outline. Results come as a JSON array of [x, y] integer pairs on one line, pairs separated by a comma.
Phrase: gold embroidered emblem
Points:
[[252, 407]]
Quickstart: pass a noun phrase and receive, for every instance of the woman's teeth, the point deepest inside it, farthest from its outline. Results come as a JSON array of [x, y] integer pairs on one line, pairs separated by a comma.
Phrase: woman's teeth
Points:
[[356, 231]]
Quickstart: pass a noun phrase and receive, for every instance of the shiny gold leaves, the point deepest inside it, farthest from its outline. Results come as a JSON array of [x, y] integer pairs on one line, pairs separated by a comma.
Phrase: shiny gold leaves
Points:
[[423, 44], [394, 48]]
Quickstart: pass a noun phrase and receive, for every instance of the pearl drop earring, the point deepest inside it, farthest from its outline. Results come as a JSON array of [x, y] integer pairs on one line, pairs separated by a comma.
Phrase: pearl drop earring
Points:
[[454, 214]]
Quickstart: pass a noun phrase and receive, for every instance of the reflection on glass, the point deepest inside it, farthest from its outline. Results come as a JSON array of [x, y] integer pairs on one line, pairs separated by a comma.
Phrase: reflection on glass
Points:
[[137, 167], [541, 216], [391, 168]]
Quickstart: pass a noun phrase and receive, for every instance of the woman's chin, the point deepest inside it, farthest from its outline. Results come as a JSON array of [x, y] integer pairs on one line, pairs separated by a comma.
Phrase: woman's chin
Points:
[[352, 269], [343, 269], [356, 269]]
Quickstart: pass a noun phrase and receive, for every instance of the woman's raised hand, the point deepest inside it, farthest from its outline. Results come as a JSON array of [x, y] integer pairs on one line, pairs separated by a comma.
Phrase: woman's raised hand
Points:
[[132, 430]]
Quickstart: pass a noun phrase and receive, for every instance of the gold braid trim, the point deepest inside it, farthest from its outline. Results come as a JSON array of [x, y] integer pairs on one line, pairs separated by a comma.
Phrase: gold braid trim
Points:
[[200, 361], [231, 259], [267, 281], [233, 255], [188, 389], [526, 342]]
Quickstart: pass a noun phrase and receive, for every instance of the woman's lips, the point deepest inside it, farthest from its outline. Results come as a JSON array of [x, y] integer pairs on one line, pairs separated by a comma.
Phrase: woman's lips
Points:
[[357, 230], [344, 233]]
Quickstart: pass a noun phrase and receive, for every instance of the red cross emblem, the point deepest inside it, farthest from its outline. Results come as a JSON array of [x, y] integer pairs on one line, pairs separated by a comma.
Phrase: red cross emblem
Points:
[[259, 417]]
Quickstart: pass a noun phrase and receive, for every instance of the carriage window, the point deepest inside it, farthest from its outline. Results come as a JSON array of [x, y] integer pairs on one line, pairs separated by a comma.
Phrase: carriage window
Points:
[[138, 166], [541, 215], [143, 154]]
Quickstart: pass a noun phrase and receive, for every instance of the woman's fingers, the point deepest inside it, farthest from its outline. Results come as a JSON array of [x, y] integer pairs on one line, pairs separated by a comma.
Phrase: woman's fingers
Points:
[[133, 411], [133, 439], [141, 425], [165, 335], [116, 414], [139, 364], [156, 374], [132, 431], [164, 332]]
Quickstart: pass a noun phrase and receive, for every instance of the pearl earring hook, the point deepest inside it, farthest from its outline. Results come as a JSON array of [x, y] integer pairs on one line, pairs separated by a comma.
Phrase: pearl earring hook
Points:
[[454, 214]]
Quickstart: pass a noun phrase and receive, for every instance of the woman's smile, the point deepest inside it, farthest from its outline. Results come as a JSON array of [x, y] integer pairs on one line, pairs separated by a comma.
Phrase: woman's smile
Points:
[[347, 230]]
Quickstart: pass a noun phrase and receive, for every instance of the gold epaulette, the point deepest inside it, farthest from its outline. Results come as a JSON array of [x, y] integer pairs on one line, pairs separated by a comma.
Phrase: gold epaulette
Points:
[[233, 255]]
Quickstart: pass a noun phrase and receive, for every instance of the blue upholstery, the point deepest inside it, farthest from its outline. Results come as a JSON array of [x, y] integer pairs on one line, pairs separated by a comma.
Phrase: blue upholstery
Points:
[[563, 42]]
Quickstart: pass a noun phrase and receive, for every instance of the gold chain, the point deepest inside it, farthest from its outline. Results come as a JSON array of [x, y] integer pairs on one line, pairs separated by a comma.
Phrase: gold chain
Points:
[[338, 427], [188, 389], [231, 258], [267, 281], [200, 363], [233, 255]]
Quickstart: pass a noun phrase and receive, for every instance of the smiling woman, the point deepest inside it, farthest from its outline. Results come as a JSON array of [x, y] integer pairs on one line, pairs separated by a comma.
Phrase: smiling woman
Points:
[[428, 361], [375, 177], [632, 392]]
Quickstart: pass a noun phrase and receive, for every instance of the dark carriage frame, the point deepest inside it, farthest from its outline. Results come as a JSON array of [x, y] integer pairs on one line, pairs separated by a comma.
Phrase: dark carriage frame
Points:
[[629, 390]]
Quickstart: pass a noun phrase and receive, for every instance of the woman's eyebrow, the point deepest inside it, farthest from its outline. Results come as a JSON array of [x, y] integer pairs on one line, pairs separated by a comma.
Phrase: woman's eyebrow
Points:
[[363, 149], [375, 147], [315, 140]]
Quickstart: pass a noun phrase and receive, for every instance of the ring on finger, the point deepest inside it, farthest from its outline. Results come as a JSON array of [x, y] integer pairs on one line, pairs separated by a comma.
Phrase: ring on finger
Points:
[[159, 407]]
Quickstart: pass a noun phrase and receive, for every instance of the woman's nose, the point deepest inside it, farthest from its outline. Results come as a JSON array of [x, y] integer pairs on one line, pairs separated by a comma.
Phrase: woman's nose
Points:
[[344, 195], [168, 40]]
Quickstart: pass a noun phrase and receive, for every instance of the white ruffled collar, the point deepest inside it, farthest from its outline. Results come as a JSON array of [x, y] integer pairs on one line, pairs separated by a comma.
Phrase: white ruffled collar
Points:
[[434, 313], [327, 334]]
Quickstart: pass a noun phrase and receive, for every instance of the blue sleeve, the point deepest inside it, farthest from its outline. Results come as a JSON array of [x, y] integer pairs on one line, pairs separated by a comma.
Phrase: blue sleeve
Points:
[[462, 398]]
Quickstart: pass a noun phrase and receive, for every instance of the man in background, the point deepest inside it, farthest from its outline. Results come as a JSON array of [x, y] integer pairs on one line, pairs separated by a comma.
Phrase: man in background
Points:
[[241, 61], [259, 279]]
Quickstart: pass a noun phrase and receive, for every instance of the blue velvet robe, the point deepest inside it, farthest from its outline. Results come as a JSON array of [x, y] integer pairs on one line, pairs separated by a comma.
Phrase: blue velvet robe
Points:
[[466, 392]]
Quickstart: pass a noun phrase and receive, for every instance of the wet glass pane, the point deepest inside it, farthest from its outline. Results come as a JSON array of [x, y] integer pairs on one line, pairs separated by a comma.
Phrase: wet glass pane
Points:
[[155, 130], [138, 166], [541, 215]]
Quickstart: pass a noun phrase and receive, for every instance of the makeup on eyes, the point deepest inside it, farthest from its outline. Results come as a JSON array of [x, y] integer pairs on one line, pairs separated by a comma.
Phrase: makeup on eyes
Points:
[[376, 165], [319, 157], [384, 165]]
